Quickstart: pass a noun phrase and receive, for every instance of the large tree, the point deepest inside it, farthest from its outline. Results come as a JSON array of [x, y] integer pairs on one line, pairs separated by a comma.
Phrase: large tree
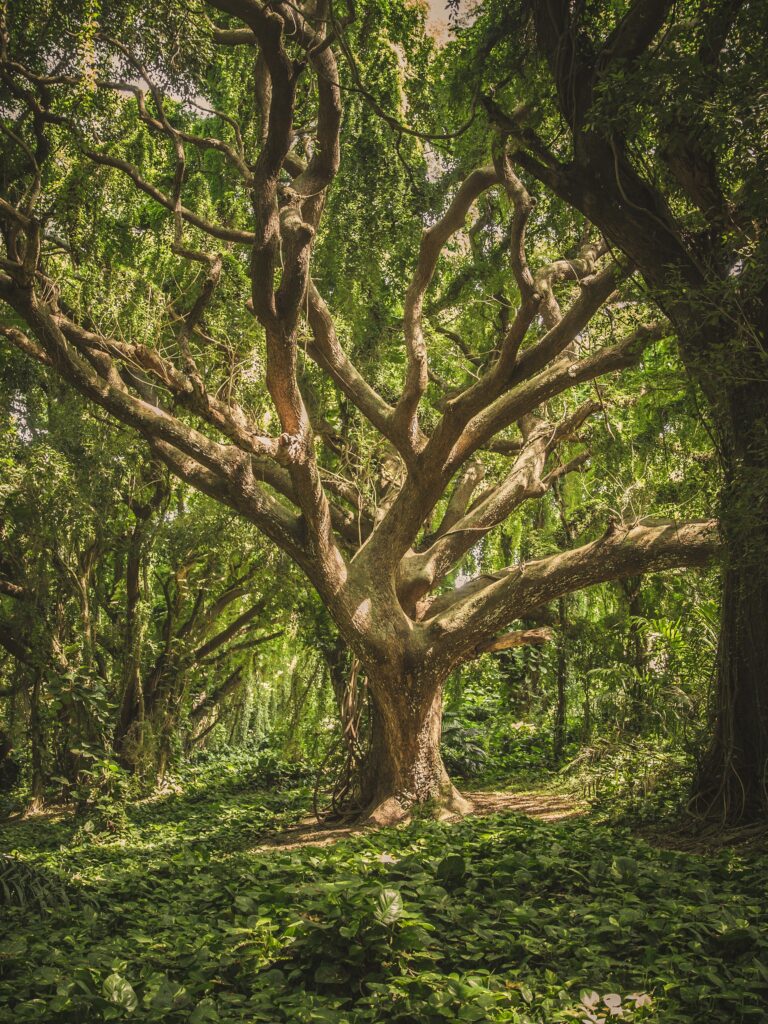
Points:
[[650, 118], [382, 551]]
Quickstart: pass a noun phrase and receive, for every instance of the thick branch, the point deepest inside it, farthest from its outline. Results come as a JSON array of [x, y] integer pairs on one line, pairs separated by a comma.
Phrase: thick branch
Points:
[[15, 646], [635, 32], [13, 590], [214, 230], [216, 469], [526, 480], [329, 354], [623, 551], [230, 631], [516, 638], [558, 377], [432, 243]]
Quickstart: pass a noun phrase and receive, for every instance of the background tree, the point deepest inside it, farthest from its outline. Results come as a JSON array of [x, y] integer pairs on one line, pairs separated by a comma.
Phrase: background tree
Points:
[[131, 608], [647, 117]]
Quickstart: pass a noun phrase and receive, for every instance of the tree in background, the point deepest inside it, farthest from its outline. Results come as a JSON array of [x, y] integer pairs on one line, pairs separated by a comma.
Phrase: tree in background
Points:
[[128, 605], [381, 485], [649, 118]]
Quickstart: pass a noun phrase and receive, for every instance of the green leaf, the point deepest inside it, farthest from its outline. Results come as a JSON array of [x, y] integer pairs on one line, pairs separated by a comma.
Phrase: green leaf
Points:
[[204, 1013], [120, 992], [389, 906], [452, 869]]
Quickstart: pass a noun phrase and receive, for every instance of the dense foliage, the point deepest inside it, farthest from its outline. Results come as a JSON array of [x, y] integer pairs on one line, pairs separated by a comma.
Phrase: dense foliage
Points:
[[189, 917]]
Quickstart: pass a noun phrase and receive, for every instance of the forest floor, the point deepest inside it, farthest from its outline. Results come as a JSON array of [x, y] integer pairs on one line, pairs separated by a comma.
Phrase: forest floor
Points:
[[535, 803], [193, 909]]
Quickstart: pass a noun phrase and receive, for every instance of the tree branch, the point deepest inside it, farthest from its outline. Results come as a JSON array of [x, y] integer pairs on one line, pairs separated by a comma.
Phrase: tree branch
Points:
[[558, 377], [479, 612], [516, 638], [635, 32], [432, 242], [214, 230]]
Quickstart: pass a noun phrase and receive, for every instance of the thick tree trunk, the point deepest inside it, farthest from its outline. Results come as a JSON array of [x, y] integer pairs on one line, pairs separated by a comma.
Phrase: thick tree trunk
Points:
[[404, 767], [733, 780]]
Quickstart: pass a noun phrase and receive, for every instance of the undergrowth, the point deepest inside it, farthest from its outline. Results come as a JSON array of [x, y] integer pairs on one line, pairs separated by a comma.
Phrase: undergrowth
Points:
[[181, 918]]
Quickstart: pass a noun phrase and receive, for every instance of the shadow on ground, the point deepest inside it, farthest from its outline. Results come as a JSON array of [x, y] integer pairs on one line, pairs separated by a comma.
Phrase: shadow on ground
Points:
[[534, 803]]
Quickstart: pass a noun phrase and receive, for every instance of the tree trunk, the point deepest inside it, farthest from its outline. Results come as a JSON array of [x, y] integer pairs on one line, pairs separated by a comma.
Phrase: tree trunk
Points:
[[636, 653], [404, 767], [586, 726], [37, 778], [733, 780], [561, 708], [128, 740]]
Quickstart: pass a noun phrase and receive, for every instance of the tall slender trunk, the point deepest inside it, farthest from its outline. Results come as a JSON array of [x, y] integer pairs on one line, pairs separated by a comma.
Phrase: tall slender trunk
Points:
[[404, 766], [636, 653], [561, 707], [37, 780], [586, 725], [128, 740]]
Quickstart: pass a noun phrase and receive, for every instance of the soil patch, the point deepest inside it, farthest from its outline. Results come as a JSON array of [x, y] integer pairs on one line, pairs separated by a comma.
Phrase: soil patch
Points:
[[535, 803]]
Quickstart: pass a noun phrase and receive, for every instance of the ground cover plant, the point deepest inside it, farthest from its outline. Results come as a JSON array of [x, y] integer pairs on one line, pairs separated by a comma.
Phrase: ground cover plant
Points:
[[187, 916]]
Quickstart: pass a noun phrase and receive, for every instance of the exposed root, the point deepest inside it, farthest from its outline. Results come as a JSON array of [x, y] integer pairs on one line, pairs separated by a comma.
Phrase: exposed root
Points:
[[389, 812], [450, 804], [36, 808], [458, 803]]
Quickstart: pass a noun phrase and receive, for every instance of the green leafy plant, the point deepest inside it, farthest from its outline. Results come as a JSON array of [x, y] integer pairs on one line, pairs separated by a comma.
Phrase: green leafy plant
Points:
[[24, 885]]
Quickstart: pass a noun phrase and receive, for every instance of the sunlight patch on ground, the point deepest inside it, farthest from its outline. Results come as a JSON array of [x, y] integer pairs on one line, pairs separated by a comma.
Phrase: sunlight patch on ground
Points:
[[534, 803]]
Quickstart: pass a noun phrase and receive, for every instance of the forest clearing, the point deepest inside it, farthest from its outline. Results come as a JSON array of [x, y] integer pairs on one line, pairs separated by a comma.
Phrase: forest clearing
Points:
[[383, 511]]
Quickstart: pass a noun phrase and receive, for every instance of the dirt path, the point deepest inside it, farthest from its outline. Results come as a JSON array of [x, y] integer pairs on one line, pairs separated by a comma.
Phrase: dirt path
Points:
[[534, 803]]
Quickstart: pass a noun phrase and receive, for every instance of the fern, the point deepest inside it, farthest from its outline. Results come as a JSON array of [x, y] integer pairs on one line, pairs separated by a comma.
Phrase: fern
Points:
[[22, 885]]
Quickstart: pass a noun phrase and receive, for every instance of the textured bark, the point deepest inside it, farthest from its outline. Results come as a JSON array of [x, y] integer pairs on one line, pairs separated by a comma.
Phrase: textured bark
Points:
[[405, 767], [733, 780]]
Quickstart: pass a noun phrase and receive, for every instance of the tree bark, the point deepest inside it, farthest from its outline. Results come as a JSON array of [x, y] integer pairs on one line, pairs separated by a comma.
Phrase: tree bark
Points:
[[404, 766], [36, 742], [732, 784], [561, 707]]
